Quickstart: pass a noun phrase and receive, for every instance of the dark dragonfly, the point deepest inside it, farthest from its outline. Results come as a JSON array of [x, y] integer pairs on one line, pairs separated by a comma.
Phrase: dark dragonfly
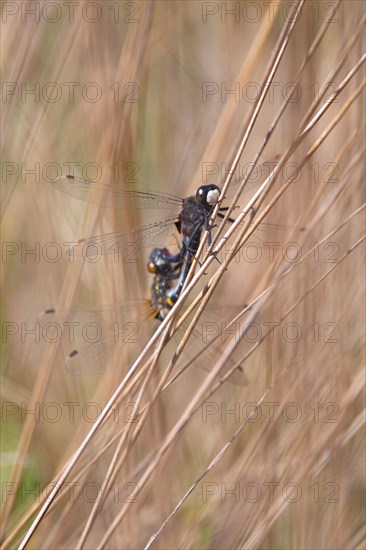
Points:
[[190, 215], [166, 268], [124, 330], [161, 263]]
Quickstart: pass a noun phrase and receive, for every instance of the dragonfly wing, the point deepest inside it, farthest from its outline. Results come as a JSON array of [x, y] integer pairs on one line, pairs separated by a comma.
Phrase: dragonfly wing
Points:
[[114, 196], [207, 359], [105, 338], [128, 242], [127, 311], [115, 353], [208, 340], [105, 356], [271, 235], [265, 231]]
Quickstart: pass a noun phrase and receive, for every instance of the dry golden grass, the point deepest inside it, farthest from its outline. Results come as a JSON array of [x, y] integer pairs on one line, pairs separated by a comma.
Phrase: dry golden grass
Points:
[[277, 463]]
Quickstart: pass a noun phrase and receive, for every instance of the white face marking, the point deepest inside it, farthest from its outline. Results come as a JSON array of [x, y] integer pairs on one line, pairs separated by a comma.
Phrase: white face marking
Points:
[[213, 196]]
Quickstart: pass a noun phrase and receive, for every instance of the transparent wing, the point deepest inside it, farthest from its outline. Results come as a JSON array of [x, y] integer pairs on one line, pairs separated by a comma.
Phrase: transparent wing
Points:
[[106, 338], [108, 355], [207, 359], [114, 196], [210, 337], [283, 234], [159, 233], [265, 231], [109, 338], [128, 310], [268, 239]]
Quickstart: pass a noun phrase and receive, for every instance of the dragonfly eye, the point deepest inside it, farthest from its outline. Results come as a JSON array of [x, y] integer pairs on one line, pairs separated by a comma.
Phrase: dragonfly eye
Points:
[[213, 196], [208, 195], [151, 267], [159, 261]]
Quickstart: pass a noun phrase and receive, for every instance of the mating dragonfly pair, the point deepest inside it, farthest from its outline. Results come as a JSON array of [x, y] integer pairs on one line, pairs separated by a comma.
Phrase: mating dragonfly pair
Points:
[[192, 215]]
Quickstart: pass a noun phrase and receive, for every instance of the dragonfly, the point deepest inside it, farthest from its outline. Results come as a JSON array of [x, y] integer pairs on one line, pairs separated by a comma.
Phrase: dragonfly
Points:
[[125, 329], [190, 216], [161, 263]]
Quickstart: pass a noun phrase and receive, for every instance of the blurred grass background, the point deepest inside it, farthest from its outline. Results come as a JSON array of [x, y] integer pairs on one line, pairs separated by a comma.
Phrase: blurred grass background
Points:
[[149, 63]]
